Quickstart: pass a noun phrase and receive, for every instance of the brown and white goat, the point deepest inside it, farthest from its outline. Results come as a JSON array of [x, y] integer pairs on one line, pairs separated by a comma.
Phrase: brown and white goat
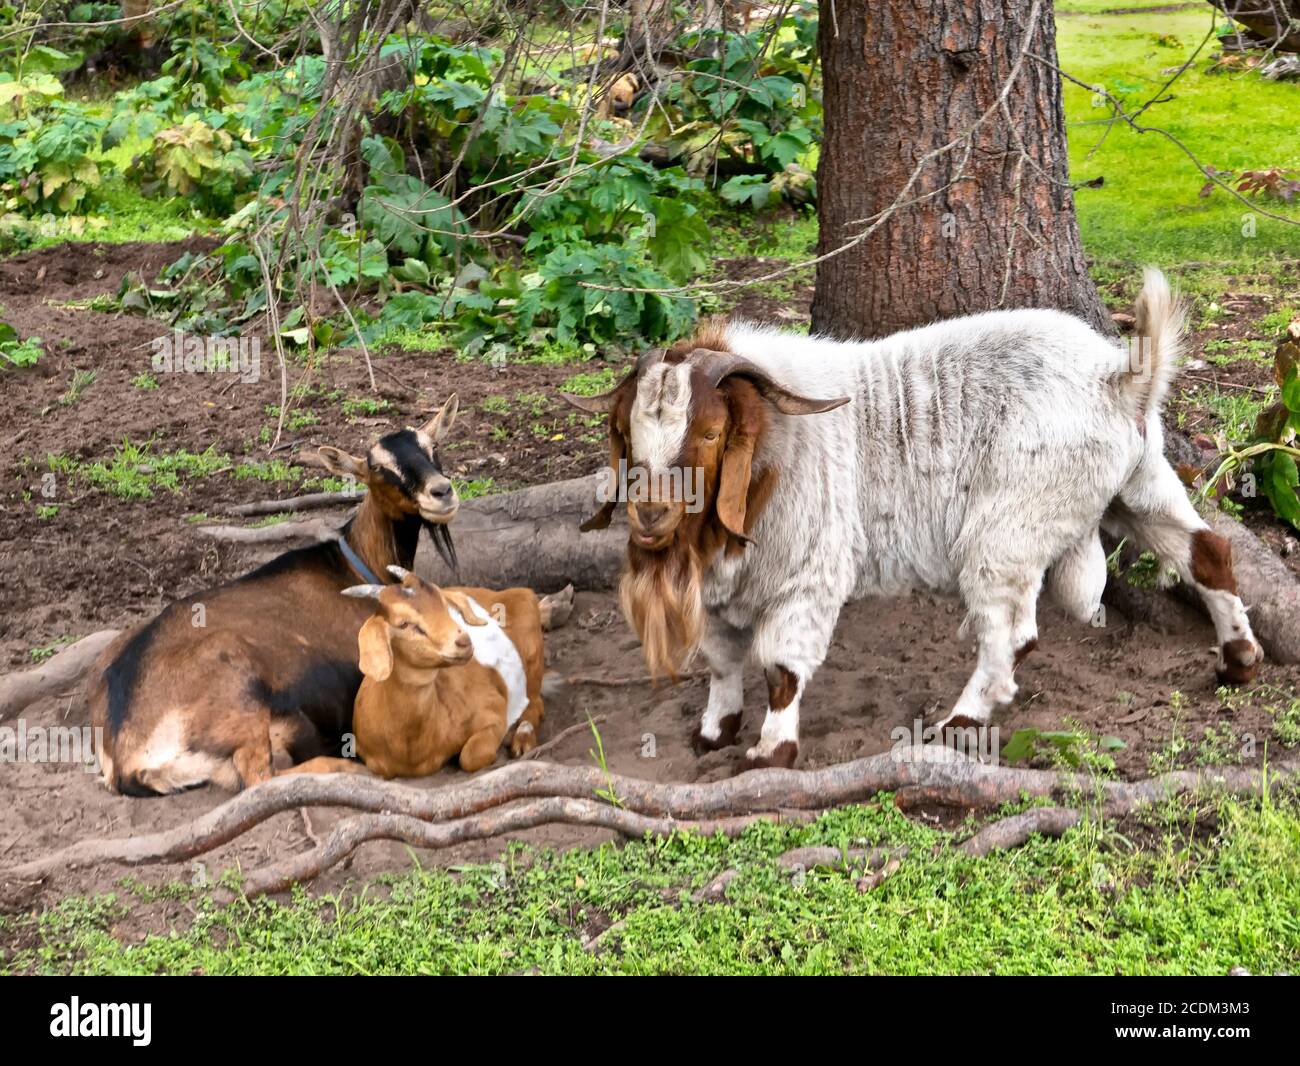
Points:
[[226, 683], [449, 673], [980, 456]]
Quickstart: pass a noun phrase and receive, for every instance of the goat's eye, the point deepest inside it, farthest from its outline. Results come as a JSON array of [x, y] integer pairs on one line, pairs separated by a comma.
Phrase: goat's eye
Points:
[[711, 435]]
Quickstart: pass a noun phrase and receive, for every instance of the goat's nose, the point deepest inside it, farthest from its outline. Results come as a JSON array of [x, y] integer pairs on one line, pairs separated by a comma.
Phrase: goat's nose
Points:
[[441, 490], [649, 515], [463, 642]]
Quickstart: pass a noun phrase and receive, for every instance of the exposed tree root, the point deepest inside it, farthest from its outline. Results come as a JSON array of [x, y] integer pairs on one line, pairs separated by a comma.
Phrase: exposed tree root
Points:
[[351, 833], [845, 861], [469, 811], [66, 668], [1014, 831]]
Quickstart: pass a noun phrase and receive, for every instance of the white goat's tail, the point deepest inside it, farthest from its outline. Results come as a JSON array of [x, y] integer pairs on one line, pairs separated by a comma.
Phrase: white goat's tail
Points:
[[1157, 346]]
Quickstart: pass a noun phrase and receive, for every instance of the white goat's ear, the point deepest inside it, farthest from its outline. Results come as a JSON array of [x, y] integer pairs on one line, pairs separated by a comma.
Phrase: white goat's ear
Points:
[[339, 462], [376, 653], [440, 424]]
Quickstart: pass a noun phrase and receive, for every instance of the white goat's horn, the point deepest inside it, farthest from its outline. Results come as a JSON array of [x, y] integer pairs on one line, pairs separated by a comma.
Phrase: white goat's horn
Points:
[[604, 403], [718, 365], [399, 572], [364, 592]]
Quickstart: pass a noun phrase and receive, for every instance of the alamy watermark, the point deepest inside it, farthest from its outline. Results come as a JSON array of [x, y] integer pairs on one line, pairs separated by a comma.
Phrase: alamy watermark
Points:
[[639, 485], [75, 745], [923, 744], [179, 352]]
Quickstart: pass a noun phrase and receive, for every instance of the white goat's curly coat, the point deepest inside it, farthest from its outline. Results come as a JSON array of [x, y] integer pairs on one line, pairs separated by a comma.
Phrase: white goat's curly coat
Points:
[[978, 455]]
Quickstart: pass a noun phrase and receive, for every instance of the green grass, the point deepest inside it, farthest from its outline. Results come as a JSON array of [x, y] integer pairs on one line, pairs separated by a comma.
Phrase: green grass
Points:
[[135, 471], [1149, 209], [1234, 412], [1089, 903], [592, 382]]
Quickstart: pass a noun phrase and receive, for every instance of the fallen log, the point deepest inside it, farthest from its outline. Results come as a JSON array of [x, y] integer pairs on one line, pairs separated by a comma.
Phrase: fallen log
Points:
[[312, 530], [1272, 22], [530, 537], [948, 777], [67, 668]]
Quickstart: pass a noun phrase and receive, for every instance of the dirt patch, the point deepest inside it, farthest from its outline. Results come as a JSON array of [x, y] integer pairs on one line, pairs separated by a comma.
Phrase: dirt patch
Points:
[[106, 561]]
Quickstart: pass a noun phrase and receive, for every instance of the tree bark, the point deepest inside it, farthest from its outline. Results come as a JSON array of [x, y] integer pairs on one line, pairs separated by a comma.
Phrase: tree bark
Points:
[[995, 224]]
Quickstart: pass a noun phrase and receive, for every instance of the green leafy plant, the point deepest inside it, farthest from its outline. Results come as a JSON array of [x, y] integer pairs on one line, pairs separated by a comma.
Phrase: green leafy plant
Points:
[[46, 162], [196, 160], [16, 352]]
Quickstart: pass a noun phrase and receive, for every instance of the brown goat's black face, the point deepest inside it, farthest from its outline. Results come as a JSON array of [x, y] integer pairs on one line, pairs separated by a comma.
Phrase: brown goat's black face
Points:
[[407, 461], [404, 474]]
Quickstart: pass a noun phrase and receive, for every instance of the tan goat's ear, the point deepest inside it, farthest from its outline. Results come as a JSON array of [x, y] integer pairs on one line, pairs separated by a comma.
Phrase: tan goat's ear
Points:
[[376, 652], [440, 424], [339, 462], [461, 602]]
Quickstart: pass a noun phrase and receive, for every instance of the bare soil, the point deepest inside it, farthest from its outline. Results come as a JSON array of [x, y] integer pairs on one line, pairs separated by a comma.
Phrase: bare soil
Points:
[[105, 561]]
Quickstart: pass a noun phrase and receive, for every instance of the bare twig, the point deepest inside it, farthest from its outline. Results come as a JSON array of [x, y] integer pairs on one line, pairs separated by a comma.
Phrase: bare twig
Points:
[[561, 736]]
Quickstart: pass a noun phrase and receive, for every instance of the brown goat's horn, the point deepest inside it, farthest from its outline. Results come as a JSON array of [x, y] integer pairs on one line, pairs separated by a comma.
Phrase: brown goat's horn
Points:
[[720, 365], [364, 592], [604, 403]]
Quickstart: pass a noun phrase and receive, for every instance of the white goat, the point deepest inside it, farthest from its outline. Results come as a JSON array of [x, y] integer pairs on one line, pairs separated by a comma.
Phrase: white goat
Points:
[[977, 455]]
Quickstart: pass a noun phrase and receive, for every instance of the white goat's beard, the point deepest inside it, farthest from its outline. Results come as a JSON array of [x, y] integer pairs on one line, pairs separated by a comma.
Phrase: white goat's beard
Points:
[[664, 603]]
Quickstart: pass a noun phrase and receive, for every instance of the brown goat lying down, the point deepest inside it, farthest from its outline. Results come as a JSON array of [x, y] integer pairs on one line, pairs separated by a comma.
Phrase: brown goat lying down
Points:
[[448, 673], [224, 684]]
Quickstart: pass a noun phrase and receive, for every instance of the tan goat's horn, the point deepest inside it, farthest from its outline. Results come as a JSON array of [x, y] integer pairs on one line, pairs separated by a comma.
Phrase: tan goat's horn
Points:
[[364, 592]]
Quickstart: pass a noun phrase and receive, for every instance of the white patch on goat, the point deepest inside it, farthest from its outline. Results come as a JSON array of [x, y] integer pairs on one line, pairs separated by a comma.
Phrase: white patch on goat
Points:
[[167, 763], [381, 456], [496, 651], [660, 415]]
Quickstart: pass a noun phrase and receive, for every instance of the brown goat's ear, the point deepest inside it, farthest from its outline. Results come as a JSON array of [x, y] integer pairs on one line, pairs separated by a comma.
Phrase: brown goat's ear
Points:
[[748, 421], [440, 424], [376, 651], [733, 486], [339, 462], [461, 602], [617, 460]]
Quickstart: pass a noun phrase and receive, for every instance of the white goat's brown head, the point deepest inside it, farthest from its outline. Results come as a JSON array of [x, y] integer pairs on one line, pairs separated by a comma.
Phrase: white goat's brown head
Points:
[[684, 428]]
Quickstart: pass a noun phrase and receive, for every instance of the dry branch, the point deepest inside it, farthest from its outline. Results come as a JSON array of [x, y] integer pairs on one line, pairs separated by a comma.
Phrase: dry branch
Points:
[[561, 736], [19, 689], [293, 504]]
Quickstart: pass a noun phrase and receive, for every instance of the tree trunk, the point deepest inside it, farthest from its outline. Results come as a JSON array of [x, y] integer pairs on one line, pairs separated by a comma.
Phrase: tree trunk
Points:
[[995, 225]]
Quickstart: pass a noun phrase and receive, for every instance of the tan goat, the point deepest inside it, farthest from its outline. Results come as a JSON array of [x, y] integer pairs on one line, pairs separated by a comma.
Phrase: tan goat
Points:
[[447, 673]]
